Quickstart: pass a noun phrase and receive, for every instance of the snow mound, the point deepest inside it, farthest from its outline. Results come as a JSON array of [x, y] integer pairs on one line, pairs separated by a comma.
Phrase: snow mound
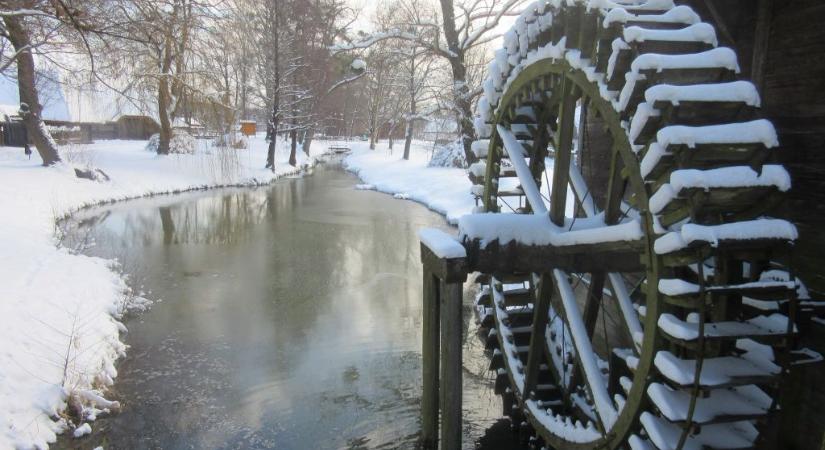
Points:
[[450, 155], [181, 142]]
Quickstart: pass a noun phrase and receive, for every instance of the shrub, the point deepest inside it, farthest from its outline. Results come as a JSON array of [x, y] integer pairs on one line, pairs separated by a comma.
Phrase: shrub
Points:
[[181, 142], [449, 155]]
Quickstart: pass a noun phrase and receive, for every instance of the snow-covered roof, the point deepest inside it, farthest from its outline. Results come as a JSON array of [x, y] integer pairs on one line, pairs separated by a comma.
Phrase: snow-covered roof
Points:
[[7, 111]]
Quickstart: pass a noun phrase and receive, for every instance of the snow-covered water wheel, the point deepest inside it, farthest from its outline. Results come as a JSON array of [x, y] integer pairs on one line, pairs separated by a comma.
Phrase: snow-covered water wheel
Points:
[[685, 349]]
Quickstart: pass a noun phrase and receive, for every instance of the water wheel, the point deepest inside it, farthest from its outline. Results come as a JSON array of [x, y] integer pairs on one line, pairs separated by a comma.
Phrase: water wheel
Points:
[[655, 146]]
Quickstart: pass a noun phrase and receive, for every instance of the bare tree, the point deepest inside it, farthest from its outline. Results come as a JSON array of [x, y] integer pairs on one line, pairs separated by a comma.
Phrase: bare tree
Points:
[[15, 30], [162, 53], [464, 26]]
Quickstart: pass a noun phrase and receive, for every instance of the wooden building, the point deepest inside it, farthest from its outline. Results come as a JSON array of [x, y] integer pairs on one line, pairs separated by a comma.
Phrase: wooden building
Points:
[[781, 48], [248, 127], [136, 127]]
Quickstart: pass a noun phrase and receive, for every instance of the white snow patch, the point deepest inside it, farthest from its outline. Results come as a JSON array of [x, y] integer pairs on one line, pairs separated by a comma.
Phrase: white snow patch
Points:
[[531, 229], [736, 91], [441, 243], [699, 32], [726, 177], [712, 234], [82, 430], [445, 190]]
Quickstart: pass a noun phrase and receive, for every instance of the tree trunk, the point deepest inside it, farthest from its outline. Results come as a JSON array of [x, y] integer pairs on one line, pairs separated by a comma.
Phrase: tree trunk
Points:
[[163, 115], [165, 99], [276, 89], [293, 146], [35, 128], [461, 96], [408, 134], [408, 139], [273, 136], [308, 140]]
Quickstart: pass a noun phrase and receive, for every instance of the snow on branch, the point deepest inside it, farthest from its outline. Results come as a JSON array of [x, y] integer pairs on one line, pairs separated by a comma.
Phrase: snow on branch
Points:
[[345, 81], [495, 18], [22, 12], [374, 38]]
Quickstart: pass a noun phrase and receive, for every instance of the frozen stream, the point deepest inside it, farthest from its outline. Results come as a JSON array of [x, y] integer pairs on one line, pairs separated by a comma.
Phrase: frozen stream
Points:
[[288, 317]]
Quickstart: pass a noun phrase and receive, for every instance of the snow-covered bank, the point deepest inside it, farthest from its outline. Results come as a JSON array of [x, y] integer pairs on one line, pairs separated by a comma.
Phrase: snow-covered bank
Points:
[[59, 311], [442, 189]]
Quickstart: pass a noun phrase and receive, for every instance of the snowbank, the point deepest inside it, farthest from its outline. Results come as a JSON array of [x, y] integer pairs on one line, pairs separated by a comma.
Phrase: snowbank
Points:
[[445, 190], [60, 311]]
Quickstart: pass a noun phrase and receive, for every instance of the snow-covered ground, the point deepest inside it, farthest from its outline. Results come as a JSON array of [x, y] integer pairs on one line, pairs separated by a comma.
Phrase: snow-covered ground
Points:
[[59, 311], [445, 190]]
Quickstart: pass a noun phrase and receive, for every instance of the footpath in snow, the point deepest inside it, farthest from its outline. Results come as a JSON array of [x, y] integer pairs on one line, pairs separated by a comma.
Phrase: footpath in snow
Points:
[[60, 311], [445, 190]]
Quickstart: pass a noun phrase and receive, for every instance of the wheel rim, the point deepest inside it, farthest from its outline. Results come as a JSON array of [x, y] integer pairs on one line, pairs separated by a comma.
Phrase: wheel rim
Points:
[[551, 72]]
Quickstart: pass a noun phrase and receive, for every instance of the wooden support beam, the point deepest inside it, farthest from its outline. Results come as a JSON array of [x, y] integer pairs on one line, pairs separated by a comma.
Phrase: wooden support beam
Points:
[[620, 256], [719, 21], [452, 325], [564, 147], [615, 190], [429, 364], [592, 304], [761, 41], [537, 339], [441, 350]]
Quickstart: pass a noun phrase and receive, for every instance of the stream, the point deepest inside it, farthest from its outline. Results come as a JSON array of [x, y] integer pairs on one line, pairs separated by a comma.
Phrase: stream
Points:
[[286, 316]]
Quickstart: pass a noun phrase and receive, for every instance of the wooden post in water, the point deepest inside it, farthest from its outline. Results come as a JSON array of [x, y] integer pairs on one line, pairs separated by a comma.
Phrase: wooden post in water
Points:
[[445, 270], [452, 326], [429, 365]]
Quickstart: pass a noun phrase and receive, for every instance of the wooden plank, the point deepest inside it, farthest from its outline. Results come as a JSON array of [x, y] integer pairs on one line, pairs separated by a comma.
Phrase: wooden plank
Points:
[[615, 190], [621, 256], [541, 311], [592, 303], [721, 27], [564, 147], [762, 35], [452, 270], [451, 364], [429, 364]]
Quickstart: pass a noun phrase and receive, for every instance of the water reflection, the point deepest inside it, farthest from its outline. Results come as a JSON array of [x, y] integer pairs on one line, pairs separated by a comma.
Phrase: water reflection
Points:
[[290, 318]]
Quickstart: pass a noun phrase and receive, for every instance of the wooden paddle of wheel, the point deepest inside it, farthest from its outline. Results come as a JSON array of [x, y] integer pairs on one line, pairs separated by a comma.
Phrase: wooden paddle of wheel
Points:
[[655, 147]]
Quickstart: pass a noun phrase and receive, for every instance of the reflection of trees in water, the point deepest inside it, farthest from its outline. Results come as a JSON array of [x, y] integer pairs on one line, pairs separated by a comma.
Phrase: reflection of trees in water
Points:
[[224, 219]]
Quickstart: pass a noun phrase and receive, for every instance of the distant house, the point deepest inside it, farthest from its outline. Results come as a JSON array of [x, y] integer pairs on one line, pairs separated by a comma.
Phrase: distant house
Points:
[[136, 127], [12, 131], [248, 127]]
